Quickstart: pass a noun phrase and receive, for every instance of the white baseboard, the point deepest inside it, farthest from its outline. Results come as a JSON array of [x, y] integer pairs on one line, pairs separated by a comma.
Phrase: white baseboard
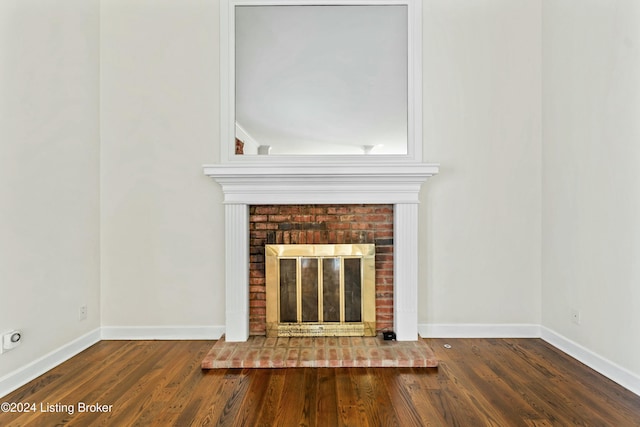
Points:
[[609, 369], [474, 330], [162, 332], [29, 372]]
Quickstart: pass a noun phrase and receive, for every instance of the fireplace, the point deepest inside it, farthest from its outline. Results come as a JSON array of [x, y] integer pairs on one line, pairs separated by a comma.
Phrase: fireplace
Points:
[[256, 183]]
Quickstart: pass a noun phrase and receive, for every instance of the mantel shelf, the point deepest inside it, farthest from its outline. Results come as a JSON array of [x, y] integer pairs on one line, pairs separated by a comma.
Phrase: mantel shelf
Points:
[[342, 183], [230, 170]]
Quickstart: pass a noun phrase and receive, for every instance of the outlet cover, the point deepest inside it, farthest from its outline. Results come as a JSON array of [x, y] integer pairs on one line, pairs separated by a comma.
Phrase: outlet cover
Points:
[[575, 316], [11, 340]]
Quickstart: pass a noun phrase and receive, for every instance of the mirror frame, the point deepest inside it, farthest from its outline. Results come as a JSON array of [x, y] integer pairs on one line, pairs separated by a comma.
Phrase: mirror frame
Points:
[[227, 87]]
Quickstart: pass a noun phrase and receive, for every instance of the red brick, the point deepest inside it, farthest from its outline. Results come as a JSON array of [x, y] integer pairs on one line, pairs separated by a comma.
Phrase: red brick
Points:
[[266, 226], [387, 234], [363, 209], [338, 226], [289, 209], [362, 226], [384, 265], [375, 218], [261, 210], [258, 303], [384, 257], [338, 209], [327, 218]]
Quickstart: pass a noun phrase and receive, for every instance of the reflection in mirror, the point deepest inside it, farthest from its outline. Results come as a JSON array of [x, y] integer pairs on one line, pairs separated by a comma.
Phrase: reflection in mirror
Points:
[[321, 79]]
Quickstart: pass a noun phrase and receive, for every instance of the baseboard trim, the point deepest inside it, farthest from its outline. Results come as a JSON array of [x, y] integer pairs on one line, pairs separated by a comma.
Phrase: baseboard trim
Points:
[[162, 332], [22, 376], [609, 369], [471, 330]]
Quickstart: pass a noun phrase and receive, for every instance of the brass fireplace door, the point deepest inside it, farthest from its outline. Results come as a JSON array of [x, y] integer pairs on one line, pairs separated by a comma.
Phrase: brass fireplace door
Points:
[[320, 290]]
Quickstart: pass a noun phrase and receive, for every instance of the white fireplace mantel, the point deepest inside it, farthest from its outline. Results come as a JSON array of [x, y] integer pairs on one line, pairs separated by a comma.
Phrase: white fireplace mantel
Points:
[[245, 184]]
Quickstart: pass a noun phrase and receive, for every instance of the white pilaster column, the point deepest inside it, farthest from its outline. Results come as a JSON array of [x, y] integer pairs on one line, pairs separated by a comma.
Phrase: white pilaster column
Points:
[[405, 271], [237, 272]]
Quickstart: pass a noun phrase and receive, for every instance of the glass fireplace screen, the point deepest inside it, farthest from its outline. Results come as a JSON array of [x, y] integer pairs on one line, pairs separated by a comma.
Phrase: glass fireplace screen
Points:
[[320, 290]]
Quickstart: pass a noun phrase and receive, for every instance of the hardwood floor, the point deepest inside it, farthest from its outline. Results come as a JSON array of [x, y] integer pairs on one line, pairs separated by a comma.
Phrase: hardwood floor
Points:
[[492, 382]]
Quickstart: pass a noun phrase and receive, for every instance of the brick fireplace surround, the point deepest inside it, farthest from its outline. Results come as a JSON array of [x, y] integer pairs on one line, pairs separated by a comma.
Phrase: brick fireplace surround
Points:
[[270, 182], [321, 224]]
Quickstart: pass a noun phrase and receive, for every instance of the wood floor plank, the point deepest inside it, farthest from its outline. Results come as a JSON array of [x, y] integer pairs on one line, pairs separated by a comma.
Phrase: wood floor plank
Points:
[[310, 406], [399, 398], [291, 412], [233, 404], [350, 408], [273, 398], [326, 414], [254, 399], [215, 405], [164, 391], [422, 389], [374, 398], [480, 382]]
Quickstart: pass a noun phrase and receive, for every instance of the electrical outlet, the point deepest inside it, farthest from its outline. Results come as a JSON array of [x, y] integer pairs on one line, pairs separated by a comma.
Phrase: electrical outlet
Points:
[[575, 316], [11, 340], [82, 312]]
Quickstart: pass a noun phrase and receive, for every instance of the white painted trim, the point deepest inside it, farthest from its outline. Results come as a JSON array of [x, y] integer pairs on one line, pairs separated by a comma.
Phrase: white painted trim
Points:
[[251, 183], [227, 85], [405, 271], [236, 249], [250, 144], [29, 372], [481, 330], [162, 332], [609, 369]]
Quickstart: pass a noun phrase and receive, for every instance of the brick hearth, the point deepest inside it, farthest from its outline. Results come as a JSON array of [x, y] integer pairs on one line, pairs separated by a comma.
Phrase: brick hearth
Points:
[[321, 224], [328, 352]]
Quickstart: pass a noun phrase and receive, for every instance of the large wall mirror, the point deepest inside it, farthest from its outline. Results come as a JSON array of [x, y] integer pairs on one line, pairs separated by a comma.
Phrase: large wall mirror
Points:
[[314, 79]]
